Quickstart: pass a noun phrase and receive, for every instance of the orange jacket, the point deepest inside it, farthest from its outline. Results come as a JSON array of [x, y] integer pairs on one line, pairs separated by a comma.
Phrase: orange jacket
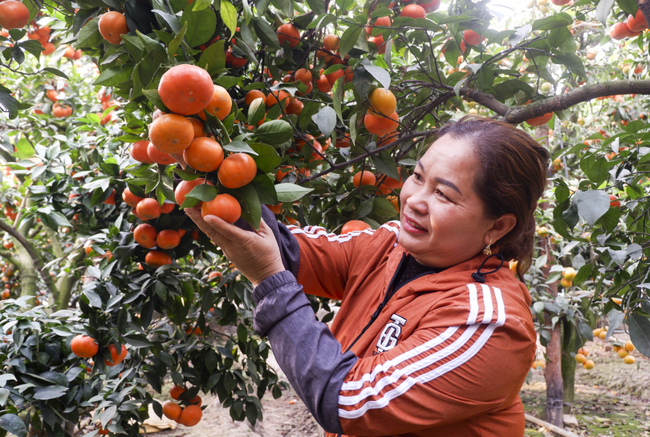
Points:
[[446, 356]]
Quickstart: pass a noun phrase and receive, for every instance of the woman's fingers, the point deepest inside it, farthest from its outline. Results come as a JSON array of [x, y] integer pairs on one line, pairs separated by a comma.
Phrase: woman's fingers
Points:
[[210, 231]]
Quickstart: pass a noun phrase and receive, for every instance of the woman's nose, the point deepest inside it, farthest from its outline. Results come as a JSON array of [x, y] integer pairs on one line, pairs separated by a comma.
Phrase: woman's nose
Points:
[[417, 202]]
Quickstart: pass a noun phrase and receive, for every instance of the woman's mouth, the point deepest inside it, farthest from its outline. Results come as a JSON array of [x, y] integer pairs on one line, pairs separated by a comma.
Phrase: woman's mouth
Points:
[[412, 226]]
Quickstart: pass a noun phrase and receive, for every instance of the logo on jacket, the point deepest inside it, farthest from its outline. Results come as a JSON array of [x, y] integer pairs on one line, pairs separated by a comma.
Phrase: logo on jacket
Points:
[[390, 334]]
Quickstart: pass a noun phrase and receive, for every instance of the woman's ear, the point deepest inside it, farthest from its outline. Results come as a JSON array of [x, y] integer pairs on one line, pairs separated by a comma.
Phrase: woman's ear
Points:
[[501, 227]]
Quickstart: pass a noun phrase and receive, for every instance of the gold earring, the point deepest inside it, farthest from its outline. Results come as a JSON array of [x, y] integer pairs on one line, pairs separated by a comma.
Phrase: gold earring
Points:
[[487, 249]]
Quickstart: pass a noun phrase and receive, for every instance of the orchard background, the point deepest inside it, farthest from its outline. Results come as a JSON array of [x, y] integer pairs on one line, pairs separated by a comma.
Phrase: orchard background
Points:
[[322, 109]]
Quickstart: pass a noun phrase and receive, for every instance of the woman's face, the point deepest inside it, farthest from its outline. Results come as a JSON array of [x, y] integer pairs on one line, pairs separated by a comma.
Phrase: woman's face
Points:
[[442, 217]]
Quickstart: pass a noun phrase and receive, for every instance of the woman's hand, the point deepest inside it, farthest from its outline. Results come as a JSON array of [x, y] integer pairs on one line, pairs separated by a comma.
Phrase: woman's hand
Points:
[[256, 255]]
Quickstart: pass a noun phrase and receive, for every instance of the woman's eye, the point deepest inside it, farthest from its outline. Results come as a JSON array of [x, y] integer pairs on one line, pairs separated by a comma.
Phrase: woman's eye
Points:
[[417, 176], [440, 193]]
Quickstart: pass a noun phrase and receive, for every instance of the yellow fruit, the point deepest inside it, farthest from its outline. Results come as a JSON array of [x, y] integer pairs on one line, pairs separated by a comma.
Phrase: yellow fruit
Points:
[[565, 283], [622, 353], [597, 332], [602, 334], [629, 359], [629, 346], [617, 300], [569, 273], [589, 364], [543, 231], [581, 359], [546, 87]]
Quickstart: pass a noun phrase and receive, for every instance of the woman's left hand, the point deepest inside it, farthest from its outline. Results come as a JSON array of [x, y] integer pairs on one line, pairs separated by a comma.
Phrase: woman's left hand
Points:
[[255, 254]]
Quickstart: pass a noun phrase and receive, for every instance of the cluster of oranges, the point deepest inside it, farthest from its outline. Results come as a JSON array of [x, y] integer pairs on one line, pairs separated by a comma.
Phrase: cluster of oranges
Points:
[[568, 275], [85, 346], [581, 358], [188, 415], [105, 97], [42, 34], [631, 28], [381, 119]]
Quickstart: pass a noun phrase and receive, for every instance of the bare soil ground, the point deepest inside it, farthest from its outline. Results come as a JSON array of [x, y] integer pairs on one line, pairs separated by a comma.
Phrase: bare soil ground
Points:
[[613, 399]]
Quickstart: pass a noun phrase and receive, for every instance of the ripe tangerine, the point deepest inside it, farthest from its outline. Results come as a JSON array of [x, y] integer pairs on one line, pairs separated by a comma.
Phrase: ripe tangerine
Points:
[[354, 226], [186, 89], [139, 152], [220, 104], [159, 157], [156, 258], [115, 357], [148, 209], [171, 133], [237, 170], [168, 239], [145, 235], [84, 346], [381, 125], [112, 25], [288, 32], [204, 154], [223, 206], [363, 178]]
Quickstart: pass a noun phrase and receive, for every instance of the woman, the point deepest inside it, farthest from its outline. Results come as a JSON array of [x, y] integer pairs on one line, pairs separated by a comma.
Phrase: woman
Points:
[[433, 337]]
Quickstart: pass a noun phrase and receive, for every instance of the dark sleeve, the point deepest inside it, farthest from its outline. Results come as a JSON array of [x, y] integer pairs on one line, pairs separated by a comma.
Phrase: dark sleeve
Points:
[[305, 348], [289, 248]]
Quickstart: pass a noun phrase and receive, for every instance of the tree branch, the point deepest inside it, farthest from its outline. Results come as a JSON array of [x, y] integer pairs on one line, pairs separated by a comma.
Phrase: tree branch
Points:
[[564, 101], [35, 258]]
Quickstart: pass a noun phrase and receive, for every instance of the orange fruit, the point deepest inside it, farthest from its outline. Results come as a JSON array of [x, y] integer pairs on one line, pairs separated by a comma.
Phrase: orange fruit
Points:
[[295, 107], [237, 170], [580, 359], [148, 209], [629, 346], [220, 104], [191, 415], [13, 15], [332, 77], [110, 200], [171, 133], [589, 364], [383, 101], [541, 120], [619, 31], [354, 225], [288, 32], [52, 95], [159, 157], [7, 244], [156, 258], [389, 184], [145, 235], [185, 187], [331, 42], [255, 94], [204, 154], [167, 239], [629, 359], [323, 84], [48, 48], [432, 6], [196, 400], [471, 38], [84, 346], [139, 152], [186, 89], [176, 391], [342, 142], [379, 42], [303, 75], [130, 198], [115, 357], [413, 11], [5, 294], [276, 97], [637, 23], [199, 130], [172, 410], [223, 206], [167, 207], [381, 21], [363, 178], [381, 125], [112, 25]]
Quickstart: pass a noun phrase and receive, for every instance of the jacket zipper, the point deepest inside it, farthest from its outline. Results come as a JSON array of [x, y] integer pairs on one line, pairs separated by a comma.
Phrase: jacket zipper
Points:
[[389, 294]]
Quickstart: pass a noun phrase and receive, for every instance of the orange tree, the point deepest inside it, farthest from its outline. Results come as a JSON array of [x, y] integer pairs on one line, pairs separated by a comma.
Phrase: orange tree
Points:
[[317, 109]]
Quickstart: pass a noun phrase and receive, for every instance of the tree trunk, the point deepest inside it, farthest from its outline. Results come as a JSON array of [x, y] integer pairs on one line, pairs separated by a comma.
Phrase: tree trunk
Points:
[[66, 283], [568, 364]]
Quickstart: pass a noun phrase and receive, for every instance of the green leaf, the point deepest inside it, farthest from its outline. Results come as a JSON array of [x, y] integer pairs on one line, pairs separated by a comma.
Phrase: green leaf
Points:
[[291, 192], [114, 76], [239, 147], [629, 6], [382, 76], [89, 36], [274, 132], [570, 61], [200, 5], [325, 119], [203, 192], [13, 424], [185, 175], [349, 39], [200, 26], [56, 72], [176, 42], [639, 327], [310, 109], [385, 164], [24, 149], [317, 6], [214, 57], [265, 189], [266, 157], [229, 16], [154, 97], [557, 20], [265, 32], [337, 97], [256, 111], [8, 103], [51, 392], [603, 9], [252, 209], [383, 207], [592, 204]]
